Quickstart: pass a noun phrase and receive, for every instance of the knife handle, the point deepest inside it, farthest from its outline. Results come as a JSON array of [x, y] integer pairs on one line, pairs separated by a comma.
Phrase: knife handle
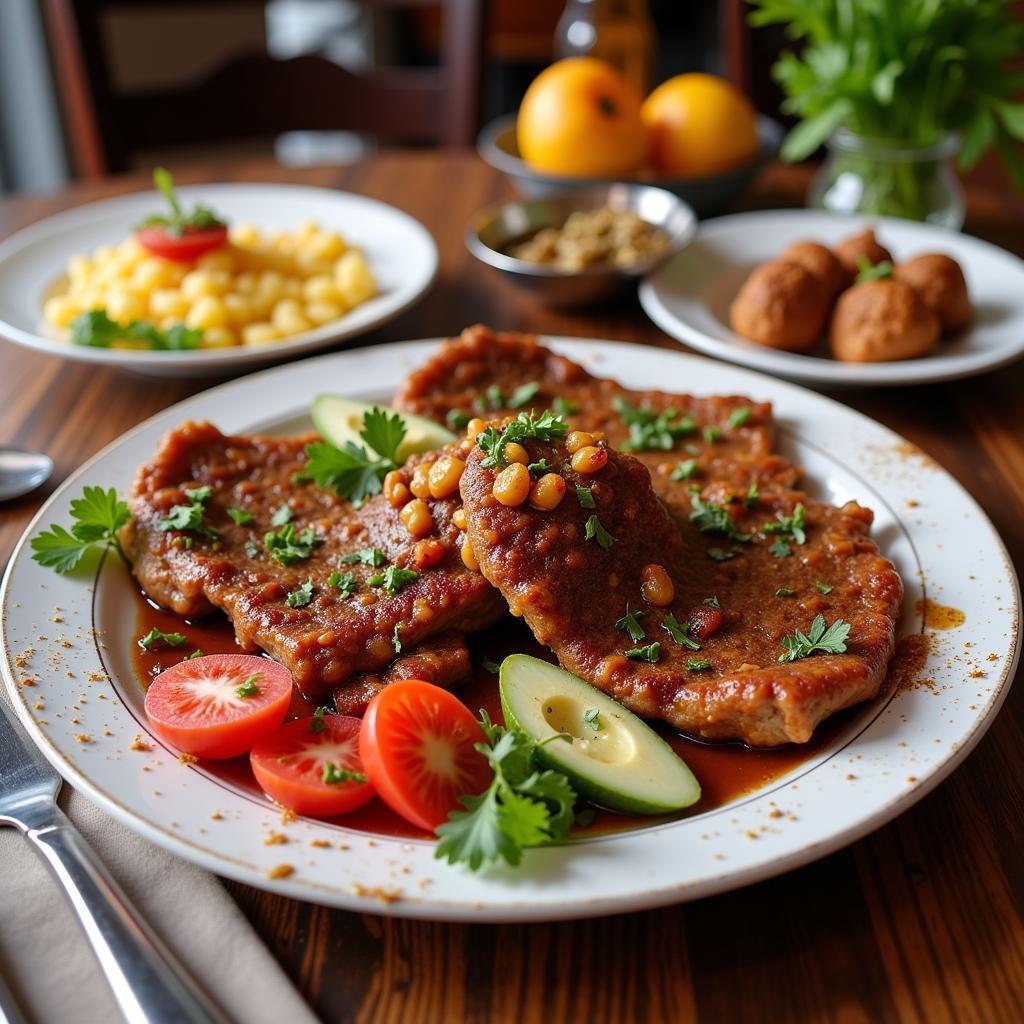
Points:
[[149, 984]]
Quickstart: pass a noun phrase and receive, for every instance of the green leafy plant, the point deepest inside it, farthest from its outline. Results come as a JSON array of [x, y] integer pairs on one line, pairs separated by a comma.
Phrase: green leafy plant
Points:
[[905, 72]]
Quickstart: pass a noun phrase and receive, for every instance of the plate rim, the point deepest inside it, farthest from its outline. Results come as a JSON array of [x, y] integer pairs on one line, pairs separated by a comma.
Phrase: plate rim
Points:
[[813, 369], [212, 361], [434, 908]]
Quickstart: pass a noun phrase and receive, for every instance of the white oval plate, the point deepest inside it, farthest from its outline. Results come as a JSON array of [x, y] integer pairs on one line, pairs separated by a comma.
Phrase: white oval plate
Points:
[[890, 754], [400, 250], [689, 296]]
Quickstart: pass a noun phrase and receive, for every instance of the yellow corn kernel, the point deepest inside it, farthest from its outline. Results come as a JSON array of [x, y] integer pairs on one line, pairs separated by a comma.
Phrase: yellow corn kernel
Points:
[[260, 334], [354, 278], [219, 337], [168, 302], [206, 312], [245, 235], [60, 310], [288, 318], [79, 268], [515, 452], [197, 283], [323, 312], [239, 308], [321, 288], [417, 518], [124, 305], [512, 485], [245, 284], [219, 259]]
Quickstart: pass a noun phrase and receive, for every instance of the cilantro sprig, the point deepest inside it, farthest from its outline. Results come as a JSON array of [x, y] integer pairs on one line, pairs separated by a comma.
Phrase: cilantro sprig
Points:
[[97, 515], [357, 471], [630, 623], [711, 517], [523, 806], [157, 638], [545, 427], [649, 430], [288, 546], [95, 329], [178, 221], [817, 640], [789, 526], [190, 516]]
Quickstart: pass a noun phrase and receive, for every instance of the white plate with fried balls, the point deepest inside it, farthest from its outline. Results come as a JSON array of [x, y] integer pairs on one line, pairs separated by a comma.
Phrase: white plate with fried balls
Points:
[[815, 323]]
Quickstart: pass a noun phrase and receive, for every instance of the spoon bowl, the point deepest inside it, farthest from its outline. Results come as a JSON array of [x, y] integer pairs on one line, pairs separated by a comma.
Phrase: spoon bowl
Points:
[[22, 471]]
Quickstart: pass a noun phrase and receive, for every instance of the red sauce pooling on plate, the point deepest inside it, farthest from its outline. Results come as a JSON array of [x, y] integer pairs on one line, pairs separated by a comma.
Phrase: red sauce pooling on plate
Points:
[[726, 771]]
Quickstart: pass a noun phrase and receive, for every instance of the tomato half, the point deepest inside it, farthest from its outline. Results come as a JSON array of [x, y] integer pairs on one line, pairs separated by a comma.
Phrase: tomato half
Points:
[[196, 707], [417, 745], [192, 243], [293, 766]]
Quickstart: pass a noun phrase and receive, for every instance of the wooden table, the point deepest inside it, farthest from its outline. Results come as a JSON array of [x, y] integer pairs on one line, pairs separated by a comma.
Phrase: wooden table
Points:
[[920, 922]]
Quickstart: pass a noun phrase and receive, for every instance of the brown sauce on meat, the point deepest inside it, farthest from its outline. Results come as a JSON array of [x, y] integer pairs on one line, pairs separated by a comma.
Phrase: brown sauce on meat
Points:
[[726, 771]]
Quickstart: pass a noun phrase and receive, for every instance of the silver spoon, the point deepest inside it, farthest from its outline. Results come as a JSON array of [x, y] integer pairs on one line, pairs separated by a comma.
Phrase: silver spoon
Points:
[[22, 471]]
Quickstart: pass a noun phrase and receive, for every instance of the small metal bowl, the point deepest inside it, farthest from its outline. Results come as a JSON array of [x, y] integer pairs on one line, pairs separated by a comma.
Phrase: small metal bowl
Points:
[[496, 227]]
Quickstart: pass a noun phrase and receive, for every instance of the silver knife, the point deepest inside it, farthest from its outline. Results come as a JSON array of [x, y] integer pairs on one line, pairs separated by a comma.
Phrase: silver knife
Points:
[[149, 984]]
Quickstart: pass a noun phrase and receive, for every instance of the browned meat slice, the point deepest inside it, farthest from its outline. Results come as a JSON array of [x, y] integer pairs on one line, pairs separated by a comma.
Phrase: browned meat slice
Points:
[[574, 581], [725, 437], [329, 636], [442, 660]]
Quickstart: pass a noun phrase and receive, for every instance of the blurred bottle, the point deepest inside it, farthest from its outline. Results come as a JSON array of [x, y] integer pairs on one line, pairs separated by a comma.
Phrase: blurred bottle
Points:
[[618, 31]]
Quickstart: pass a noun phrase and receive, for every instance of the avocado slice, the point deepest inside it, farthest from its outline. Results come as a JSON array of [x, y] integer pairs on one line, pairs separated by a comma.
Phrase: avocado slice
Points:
[[614, 759], [340, 419]]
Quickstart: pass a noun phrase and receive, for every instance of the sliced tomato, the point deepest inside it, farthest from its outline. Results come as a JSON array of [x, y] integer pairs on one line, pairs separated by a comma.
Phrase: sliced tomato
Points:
[[190, 245], [705, 622], [417, 743], [295, 764], [196, 705]]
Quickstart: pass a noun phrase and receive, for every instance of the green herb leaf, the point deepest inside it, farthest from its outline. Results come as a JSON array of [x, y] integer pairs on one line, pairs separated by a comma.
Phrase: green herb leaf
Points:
[[752, 495], [289, 547], [712, 434], [563, 406], [383, 433], [197, 653], [190, 517], [649, 653], [822, 587], [344, 582], [350, 471], [301, 597], [546, 427], [155, 638], [685, 470], [785, 592], [680, 632], [523, 395], [490, 666], [317, 724], [721, 554], [240, 516], [592, 716], [868, 271], [456, 419], [396, 640], [792, 525], [539, 468], [175, 224], [595, 531], [98, 516], [710, 517], [698, 664], [372, 557], [584, 497], [283, 515], [739, 416], [630, 623], [249, 687], [95, 329], [333, 775], [393, 579], [651, 431], [711, 602], [780, 549], [817, 640]]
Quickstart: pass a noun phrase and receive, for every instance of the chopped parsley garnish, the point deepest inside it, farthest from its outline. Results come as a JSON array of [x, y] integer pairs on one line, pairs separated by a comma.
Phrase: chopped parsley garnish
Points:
[[649, 653], [344, 582], [301, 597], [792, 526], [393, 579], [240, 516], [283, 515], [525, 805], [289, 547], [351, 470], [94, 329], [711, 517], [546, 427], [539, 468], [456, 419], [698, 664], [334, 775], [680, 632], [595, 531], [752, 495], [175, 223], [712, 434], [490, 401], [630, 623], [197, 653], [592, 716], [739, 416], [396, 640], [317, 724], [98, 515], [249, 687], [822, 587], [584, 497], [711, 602], [868, 271], [155, 638], [651, 431], [190, 516], [564, 407], [490, 666], [685, 470], [523, 395], [817, 640], [721, 554], [780, 549], [785, 592], [372, 557]]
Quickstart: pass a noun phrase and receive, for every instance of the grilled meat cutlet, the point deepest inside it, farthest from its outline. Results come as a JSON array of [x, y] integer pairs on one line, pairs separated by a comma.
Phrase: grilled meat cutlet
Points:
[[220, 563], [713, 673]]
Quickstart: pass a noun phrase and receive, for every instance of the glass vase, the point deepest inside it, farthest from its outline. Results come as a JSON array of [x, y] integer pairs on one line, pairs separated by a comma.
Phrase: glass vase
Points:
[[884, 176]]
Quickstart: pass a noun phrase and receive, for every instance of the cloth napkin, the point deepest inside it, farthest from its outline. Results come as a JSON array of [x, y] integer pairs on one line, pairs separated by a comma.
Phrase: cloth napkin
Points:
[[50, 968]]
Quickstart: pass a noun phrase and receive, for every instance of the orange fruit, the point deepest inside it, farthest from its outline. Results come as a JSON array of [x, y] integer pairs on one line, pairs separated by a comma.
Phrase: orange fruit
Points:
[[699, 125], [581, 117]]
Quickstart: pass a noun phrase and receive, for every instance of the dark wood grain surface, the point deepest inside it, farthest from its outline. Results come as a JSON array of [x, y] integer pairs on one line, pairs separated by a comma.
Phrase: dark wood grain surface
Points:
[[920, 923]]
